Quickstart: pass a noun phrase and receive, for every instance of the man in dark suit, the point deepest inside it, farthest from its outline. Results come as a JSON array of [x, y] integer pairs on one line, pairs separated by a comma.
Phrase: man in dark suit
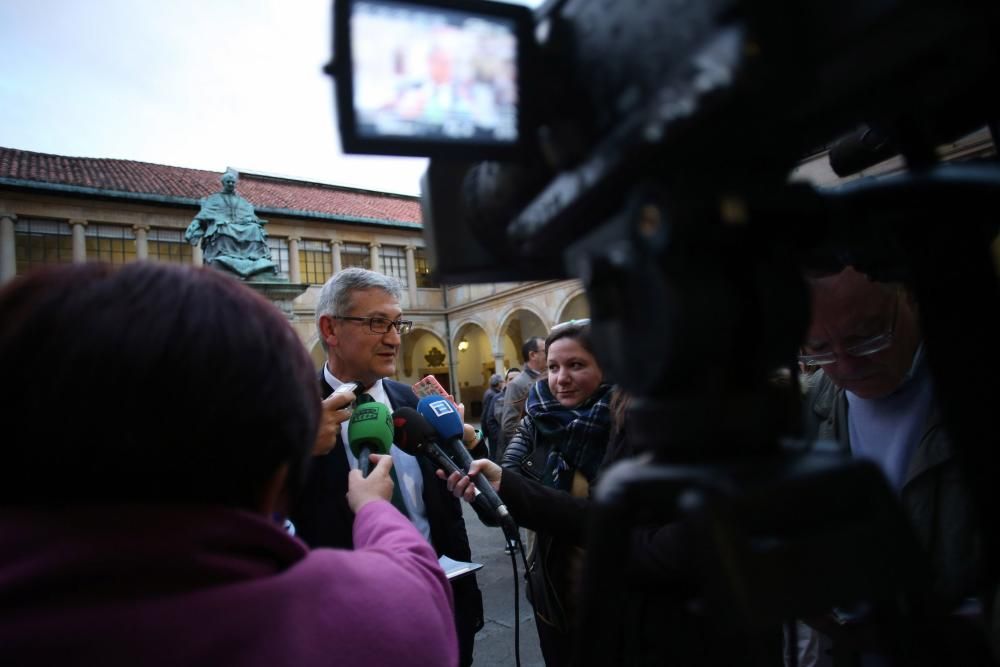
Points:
[[358, 319]]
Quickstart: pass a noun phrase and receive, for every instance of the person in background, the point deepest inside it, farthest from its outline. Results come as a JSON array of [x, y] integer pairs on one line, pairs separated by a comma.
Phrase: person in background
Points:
[[489, 400], [517, 389], [561, 442], [871, 392], [664, 573], [153, 535], [359, 322], [491, 423]]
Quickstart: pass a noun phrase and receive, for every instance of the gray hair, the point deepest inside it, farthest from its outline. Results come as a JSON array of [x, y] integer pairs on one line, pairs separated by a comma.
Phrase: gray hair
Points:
[[495, 380], [336, 296]]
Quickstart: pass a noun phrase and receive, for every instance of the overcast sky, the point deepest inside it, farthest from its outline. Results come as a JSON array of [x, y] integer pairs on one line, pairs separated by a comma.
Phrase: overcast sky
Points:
[[207, 84]]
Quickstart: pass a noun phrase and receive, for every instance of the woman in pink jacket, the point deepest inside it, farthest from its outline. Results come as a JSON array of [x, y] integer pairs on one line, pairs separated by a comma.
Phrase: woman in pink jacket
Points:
[[157, 420]]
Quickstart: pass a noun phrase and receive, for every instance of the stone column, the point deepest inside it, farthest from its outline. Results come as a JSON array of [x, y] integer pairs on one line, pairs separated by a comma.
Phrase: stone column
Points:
[[141, 241], [373, 256], [8, 254], [79, 241], [411, 275], [335, 253], [294, 268], [498, 363], [197, 256]]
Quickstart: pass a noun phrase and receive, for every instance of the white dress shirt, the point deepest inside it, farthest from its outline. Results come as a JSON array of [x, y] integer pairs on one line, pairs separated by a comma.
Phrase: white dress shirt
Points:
[[411, 481]]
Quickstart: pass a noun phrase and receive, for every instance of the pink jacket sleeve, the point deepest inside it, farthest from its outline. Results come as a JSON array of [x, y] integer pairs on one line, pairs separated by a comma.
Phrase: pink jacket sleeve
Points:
[[420, 616]]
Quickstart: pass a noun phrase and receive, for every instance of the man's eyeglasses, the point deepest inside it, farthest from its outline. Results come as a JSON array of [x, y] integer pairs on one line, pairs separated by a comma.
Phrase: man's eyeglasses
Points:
[[863, 348], [380, 325]]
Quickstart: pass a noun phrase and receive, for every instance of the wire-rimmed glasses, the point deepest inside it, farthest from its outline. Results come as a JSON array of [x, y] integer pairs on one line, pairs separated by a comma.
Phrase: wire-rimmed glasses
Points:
[[863, 348], [380, 325]]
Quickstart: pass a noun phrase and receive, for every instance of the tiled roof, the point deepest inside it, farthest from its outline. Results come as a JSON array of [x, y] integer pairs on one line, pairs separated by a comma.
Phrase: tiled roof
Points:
[[144, 178]]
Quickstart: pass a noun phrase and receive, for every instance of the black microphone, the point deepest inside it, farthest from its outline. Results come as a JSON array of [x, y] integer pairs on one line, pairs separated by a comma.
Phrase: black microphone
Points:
[[415, 436], [442, 416], [444, 419]]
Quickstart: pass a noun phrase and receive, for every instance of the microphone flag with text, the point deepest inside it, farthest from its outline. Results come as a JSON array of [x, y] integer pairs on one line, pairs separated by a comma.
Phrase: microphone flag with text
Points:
[[415, 436], [369, 432]]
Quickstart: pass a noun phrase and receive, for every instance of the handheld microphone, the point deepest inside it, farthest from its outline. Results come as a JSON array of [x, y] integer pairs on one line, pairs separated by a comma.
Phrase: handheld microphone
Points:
[[441, 416], [369, 432], [415, 436]]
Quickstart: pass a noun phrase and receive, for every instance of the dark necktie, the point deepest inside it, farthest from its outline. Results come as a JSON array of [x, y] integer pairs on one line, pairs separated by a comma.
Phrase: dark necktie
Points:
[[397, 493]]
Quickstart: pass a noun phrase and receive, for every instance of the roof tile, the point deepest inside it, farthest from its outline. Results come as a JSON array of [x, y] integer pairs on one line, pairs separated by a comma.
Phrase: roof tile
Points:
[[164, 180]]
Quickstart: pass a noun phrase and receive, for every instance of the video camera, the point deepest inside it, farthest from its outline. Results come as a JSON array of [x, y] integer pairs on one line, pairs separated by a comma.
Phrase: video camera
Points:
[[645, 148]]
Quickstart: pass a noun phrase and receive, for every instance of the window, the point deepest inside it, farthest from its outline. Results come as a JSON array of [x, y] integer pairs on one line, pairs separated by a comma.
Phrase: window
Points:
[[315, 262], [41, 242], [355, 254], [168, 245], [279, 253], [423, 266], [114, 244], [393, 260]]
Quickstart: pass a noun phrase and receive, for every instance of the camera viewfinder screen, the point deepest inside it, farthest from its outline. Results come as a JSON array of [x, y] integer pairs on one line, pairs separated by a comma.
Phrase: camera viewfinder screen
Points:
[[430, 74]]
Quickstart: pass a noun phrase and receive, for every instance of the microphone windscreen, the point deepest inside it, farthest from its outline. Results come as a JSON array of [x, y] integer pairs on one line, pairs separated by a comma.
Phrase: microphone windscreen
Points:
[[442, 415], [410, 430], [371, 427]]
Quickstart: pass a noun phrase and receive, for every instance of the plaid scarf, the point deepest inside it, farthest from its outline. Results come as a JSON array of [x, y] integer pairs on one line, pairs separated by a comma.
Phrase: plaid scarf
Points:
[[576, 438]]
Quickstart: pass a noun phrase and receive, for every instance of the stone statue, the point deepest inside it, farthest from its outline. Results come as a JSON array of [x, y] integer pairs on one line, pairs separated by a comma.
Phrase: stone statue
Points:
[[232, 236]]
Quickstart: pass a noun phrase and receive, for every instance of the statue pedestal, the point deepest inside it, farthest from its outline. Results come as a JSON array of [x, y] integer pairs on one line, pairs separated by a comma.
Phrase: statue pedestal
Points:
[[281, 294]]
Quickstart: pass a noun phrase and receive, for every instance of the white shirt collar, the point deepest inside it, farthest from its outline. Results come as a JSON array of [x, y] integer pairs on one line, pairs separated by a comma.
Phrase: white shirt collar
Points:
[[376, 391], [407, 467]]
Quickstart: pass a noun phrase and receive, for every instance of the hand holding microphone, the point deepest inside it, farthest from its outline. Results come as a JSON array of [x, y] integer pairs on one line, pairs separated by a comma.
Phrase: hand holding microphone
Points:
[[377, 485], [447, 423], [415, 436], [336, 409], [462, 485], [436, 419], [429, 387]]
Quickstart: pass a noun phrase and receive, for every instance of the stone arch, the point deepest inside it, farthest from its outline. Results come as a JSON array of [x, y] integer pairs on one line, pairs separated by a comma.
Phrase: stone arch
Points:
[[474, 365], [519, 324], [575, 307], [423, 352], [511, 313], [459, 324]]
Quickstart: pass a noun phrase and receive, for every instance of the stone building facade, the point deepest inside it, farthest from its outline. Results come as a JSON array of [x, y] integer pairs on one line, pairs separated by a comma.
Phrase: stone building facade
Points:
[[58, 209]]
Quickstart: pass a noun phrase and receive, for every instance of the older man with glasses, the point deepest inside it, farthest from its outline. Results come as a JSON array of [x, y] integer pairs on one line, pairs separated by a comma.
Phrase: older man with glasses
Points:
[[874, 396], [360, 325]]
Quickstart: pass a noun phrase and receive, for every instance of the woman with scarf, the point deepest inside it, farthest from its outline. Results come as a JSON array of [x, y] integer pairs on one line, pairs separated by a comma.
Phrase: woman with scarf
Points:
[[567, 434], [561, 443]]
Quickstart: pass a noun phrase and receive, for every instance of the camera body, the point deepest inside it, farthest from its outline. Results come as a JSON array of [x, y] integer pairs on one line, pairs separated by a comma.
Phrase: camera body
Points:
[[712, 99], [651, 160]]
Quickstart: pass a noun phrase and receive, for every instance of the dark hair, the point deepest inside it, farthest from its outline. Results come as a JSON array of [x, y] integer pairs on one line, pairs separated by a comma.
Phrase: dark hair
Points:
[[578, 331], [514, 369], [530, 345], [149, 383]]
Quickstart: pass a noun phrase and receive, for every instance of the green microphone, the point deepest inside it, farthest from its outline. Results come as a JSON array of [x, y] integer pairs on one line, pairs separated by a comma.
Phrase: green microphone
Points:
[[370, 431]]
